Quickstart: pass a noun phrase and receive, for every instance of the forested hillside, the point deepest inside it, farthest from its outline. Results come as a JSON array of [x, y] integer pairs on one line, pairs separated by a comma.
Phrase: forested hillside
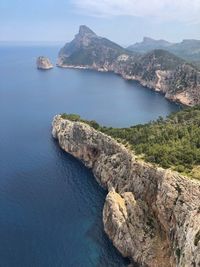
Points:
[[171, 143]]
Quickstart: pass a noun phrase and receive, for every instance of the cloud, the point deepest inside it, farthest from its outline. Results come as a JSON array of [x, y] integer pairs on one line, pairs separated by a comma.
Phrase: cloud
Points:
[[177, 10]]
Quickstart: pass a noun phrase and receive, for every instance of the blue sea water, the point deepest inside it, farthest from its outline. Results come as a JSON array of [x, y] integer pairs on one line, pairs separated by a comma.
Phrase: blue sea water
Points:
[[50, 204]]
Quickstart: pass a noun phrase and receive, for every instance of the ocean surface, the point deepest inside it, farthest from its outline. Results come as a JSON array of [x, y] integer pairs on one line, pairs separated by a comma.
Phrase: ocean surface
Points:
[[50, 204]]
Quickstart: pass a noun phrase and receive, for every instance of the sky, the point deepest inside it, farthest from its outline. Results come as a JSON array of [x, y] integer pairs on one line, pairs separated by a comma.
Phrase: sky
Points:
[[123, 21]]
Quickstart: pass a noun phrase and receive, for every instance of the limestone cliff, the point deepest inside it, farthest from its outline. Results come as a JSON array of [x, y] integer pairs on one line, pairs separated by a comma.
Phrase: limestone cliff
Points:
[[44, 63], [151, 215]]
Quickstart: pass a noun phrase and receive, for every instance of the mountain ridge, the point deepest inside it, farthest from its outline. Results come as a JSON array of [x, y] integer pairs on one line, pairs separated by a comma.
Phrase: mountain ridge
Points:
[[188, 49], [158, 69], [148, 44]]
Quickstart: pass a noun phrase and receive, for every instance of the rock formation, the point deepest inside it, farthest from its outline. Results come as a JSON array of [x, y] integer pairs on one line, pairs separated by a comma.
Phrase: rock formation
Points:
[[151, 215], [44, 63], [159, 70]]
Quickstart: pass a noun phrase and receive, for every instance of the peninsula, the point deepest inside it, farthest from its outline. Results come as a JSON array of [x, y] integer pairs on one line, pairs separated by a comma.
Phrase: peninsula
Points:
[[157, 69], [151, 214]]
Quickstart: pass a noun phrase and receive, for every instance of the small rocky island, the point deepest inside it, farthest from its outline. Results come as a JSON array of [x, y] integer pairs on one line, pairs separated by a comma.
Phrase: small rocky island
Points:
[[152, 215], [44, 63]]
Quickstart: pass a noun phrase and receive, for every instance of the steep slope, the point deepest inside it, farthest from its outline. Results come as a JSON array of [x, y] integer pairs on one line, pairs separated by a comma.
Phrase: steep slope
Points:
[[146, 66], [152, 215], [164, 72], [89, 49]]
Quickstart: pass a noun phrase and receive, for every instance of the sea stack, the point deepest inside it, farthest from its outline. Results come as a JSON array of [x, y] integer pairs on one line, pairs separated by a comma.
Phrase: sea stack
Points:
[[44, 63]]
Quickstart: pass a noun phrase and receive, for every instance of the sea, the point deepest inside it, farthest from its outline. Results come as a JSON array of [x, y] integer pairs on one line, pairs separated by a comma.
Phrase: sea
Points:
[[50, 204]]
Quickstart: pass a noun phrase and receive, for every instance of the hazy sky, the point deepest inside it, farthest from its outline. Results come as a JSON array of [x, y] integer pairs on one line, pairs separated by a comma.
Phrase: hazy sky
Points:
[[123, 21]]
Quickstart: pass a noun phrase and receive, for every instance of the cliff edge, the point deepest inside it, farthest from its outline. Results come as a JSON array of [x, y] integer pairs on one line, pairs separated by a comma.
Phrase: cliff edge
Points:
[[151, 215]]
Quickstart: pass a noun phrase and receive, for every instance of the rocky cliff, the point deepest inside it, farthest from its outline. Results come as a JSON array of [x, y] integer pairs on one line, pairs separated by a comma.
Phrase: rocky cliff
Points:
[[44, 63], [159, 69], [165, 73], [151, 215], [88, 49]]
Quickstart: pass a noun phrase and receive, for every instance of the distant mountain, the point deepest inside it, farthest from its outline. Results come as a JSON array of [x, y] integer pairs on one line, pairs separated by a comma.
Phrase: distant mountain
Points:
[[87, 48], [157, 69], [187, 49], [149, 44]]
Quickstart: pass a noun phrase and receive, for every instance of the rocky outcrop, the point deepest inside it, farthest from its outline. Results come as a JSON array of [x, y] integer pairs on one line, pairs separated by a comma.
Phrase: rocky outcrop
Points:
[[44, 63], [159, 70], [151, 215]]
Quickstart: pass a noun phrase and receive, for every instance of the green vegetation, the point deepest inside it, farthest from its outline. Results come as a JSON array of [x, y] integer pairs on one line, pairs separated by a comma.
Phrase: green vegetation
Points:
[[196, 64], [171, 143], [178, 253], [165, 59], [71, 117], [75, 117], [197, 238]]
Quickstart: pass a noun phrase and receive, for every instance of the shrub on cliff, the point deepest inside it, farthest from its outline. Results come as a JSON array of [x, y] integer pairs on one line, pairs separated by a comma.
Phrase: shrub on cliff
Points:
[[71, 117]]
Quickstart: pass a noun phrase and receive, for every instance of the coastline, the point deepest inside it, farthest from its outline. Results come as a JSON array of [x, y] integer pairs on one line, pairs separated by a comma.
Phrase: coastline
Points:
[[181, 99], [149, 213]]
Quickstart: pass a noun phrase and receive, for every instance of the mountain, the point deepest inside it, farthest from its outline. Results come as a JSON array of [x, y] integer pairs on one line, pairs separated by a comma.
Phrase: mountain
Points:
[[164, 72], [187, 49], [158, 69], [149, 44], [87, 49]]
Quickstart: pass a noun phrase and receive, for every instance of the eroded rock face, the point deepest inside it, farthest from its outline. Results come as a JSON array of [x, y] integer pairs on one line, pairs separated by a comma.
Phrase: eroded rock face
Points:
[[44, 63], [134, 230], [152, 215]]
